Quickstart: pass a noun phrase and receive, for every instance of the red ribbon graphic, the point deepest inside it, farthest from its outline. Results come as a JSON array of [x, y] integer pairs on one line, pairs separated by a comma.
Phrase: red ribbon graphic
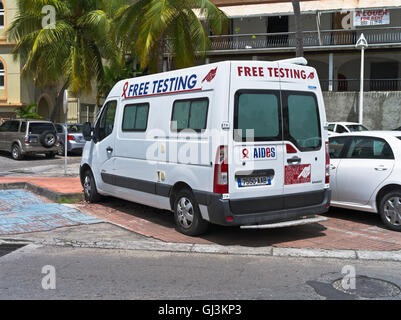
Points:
[[125, 90]]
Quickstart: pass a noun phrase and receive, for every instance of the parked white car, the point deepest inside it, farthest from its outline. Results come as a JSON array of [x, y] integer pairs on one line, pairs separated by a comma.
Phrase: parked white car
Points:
[[345, 127], [365, 170]]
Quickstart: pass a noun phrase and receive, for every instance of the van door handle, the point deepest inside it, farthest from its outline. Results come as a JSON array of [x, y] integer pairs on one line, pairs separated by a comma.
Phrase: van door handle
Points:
[[109, 149], [294, 160], [381, 169]]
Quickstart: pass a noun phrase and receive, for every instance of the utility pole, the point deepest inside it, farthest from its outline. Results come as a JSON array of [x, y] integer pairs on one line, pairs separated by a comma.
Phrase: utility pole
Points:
[[298, 26], [361, 44]]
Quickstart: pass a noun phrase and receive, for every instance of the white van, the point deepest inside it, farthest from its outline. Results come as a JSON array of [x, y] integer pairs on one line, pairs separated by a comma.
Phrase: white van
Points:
[[235, 143]]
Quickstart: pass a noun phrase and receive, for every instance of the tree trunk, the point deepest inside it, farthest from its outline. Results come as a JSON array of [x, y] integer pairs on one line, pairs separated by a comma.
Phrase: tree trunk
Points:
[[298, 26], [59, 102]]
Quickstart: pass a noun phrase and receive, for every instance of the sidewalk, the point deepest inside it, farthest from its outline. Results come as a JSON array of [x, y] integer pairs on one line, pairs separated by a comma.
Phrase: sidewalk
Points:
[[55, 189]]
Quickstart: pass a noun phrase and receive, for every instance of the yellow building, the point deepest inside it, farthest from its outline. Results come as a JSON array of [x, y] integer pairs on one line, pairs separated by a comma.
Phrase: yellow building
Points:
[[17, 91]]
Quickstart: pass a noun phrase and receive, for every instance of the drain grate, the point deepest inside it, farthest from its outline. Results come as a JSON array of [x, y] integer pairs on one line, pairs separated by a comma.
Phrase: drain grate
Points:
[[370, 288], [8, 248]]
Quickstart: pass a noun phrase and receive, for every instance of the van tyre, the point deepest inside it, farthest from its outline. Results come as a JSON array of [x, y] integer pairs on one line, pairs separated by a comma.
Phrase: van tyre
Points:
[[187, 214], [390, 210], [90, 190], [16, 152]]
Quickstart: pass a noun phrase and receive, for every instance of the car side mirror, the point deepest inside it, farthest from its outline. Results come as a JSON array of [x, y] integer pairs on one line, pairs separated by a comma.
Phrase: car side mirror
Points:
[[87, 131]]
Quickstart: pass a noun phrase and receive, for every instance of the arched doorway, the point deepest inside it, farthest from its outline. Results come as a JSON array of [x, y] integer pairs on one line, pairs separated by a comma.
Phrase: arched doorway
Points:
[[45, 106]]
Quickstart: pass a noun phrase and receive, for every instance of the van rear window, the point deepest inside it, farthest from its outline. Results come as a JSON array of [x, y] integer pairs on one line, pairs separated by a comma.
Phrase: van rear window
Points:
[[301, 117], [257, 116]]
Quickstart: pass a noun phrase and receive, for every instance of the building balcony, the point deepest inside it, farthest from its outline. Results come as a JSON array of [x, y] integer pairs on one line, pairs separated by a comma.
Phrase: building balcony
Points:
[[380, 37], [353, 85]]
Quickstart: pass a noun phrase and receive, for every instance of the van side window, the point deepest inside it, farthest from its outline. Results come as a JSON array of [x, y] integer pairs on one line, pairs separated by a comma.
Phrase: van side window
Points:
[[257, 116], [14, 126], [190, 114], [136, 117], [106, 121], [23, 127], [302, 120]]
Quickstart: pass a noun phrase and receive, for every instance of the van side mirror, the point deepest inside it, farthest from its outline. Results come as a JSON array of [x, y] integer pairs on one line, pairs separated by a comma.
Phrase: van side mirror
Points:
[[87, 131]]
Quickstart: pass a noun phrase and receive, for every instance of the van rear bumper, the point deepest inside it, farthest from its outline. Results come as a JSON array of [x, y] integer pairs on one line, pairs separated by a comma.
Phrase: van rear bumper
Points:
[[267, 209]]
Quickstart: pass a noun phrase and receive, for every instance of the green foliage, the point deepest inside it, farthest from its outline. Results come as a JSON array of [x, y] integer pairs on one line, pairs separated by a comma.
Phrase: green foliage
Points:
[[74, 50], [147, 26], [115, 73], [28, 112]]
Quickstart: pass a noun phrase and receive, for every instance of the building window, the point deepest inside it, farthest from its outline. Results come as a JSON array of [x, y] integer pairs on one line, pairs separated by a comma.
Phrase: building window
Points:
[[2, 76], [1, 15]]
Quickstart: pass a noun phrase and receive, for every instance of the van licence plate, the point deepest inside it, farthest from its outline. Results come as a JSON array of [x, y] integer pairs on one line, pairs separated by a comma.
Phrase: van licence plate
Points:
[[254, 181]]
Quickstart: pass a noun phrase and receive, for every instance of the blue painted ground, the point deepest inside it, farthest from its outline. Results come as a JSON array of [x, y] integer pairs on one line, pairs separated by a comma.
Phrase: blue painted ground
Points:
[[23, 212]]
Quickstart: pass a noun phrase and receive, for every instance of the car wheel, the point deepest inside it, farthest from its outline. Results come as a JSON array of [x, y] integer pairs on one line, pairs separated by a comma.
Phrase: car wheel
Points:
[[16, 152], [187, 215], [390, 210], [61, 150], [90, 190]]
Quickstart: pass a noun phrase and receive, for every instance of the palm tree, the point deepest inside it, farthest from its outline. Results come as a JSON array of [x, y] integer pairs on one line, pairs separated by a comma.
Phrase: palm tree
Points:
[[70, 55], [298, 26], [147, 26]]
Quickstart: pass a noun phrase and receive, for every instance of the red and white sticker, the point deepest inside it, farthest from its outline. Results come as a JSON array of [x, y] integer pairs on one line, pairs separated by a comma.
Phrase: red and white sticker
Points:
[[298, 174]]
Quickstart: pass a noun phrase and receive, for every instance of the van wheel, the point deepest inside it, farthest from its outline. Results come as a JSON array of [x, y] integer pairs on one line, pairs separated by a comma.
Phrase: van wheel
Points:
[[16, 152], [90, 190], [187, 215], [390, 210]]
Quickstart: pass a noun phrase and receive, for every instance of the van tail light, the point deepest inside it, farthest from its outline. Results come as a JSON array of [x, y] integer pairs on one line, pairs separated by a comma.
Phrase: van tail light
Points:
[[220, 185], [327, 164], [291, 149], [27, 140], [70, 138]]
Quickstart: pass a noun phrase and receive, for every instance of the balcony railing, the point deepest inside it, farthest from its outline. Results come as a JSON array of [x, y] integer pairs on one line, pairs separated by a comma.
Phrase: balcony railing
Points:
[[327, 38], [369, 85]]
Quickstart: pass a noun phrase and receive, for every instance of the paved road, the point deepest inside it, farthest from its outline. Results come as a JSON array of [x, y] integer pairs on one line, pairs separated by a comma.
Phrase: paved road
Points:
[[35, 165], [116, 274]]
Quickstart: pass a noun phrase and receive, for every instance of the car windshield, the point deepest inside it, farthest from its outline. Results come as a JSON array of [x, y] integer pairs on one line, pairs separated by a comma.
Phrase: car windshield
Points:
[[39, 128], [357, 128], [75, 128]]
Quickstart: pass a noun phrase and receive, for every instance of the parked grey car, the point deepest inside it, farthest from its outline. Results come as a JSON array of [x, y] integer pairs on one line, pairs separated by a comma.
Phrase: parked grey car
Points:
[[75, 138], [23, 137]]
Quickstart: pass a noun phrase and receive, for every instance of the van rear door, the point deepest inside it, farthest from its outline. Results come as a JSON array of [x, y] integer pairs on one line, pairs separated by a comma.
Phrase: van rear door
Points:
[[304, 135], [256, 148]]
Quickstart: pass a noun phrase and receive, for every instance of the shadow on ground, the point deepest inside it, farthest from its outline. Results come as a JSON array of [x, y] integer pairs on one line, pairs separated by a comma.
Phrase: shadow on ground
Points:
[[218, 234]]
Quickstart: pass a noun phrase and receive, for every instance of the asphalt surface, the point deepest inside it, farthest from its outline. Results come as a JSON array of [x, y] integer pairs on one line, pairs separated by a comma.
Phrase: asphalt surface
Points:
[[33, 165], [116, 274]]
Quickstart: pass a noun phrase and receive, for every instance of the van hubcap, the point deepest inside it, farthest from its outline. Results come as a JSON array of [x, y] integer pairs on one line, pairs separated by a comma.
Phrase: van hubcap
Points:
[[87, 186], [185, 212], [392, 211]]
